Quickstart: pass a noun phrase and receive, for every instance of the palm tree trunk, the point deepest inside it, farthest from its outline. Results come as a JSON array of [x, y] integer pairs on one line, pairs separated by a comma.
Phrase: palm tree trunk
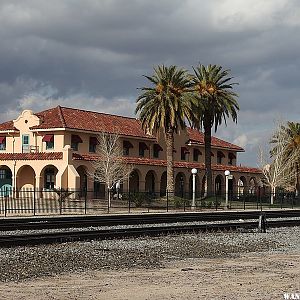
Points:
[[170, 161], [207, 144]]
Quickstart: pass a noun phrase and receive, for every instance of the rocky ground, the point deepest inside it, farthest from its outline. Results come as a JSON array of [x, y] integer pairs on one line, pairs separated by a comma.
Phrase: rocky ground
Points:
[[195, 265]]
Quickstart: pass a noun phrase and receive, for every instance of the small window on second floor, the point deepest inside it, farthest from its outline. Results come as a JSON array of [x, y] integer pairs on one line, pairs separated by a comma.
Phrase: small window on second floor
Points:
[[2, 143], [220, 156], [126, 146], [75, 140], [93, 144], [231, 157], [25, 143], [156, 149], [196, 154], [49, 140], [184, 153], [142, 148]]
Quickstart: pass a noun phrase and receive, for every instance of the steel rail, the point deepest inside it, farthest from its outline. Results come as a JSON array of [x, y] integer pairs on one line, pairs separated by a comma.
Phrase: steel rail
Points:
[[132, 219], [71, 236]]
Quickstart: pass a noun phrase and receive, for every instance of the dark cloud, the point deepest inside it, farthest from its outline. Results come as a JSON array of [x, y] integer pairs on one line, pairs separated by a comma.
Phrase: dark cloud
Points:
[[65, 52]]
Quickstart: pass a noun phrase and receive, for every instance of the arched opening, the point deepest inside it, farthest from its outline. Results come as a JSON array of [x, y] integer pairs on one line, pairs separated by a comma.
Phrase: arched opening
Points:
[[5, 176], [150, 182], [26, 178], [134, 181], [241, 185], [82, 171], [180, 184], [252, 186], [163, 184], [48, 177], [191, 185], [219, 185], [5, 181]]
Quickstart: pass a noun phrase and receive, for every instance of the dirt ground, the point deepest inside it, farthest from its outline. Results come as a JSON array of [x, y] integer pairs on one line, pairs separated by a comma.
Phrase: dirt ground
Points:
[[249, 276]]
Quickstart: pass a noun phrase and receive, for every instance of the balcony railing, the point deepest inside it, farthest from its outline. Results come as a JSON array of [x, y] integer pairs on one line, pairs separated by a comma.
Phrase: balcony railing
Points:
[[30, 149]]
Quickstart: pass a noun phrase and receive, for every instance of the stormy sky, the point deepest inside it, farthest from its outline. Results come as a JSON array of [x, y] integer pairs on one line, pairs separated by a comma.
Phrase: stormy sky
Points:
[[92, 54]]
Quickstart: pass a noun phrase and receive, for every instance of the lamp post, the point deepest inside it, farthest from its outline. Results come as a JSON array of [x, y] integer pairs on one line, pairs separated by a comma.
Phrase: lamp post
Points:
[[227, 174], [194, 172]]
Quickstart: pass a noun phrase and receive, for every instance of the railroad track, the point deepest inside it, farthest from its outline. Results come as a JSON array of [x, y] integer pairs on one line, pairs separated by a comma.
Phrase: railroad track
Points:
[[71, 236], [33, 223]]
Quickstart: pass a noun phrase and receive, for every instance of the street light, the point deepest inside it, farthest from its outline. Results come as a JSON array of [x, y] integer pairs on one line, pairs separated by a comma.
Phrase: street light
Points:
[[194, 172], [227, 174]]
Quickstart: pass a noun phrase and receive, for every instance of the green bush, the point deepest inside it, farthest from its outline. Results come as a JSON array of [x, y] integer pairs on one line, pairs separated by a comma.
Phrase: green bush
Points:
[[180, 202], [211, 202]]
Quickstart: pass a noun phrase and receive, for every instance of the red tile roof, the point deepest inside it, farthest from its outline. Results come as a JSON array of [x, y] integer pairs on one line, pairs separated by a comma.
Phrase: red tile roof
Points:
[[197, 137], [7, 126], [32, 156], [63, 117], [177, 164]]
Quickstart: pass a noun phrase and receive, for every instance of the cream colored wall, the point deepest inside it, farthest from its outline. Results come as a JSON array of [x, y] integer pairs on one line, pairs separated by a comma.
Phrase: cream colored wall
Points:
[[23, 123], [59, 137]]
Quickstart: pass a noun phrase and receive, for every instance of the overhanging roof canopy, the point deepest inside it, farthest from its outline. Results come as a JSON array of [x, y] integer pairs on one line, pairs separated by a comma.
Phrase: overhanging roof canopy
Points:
[[231, 156], [93, 140], [127, 145], [220, 154], [76, 138], [185, 150], [48, 138], [197, 152], [157, 147], [144, 146]]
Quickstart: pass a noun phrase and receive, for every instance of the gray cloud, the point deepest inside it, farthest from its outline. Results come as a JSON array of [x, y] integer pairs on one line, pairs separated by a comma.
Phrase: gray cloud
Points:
[[91, 54]]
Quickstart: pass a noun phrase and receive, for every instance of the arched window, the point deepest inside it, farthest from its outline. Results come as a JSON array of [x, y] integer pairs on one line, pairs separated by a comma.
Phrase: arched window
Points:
[[49, 178]]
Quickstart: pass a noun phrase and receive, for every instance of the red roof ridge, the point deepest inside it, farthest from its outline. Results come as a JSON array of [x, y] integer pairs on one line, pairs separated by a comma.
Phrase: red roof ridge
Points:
[[61, 116], [97, 112]]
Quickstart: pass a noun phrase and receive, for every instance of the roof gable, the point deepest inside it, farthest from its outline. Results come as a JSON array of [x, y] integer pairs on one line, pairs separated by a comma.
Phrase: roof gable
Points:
[[63, 117], [198, 138]]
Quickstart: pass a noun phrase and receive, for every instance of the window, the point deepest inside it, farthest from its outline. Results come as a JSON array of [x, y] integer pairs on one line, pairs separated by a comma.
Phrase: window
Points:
[[126, 146], [25, 143], [126, 151], [231, 157], [5, 174], [2, 143], [49, 178], [142, 148], [49, 140], [156, 149], [75, 140], [220, 156], [93, 144], [184, 152], [196, 153], [141, 152]]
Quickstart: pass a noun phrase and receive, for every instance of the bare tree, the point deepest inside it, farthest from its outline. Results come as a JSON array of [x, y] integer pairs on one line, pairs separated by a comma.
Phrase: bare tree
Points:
[[276, 166], [110, 167]]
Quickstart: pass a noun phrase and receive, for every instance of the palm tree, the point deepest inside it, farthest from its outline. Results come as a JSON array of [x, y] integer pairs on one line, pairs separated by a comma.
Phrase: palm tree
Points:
[[165, 105], [215, 101], [292, 146]]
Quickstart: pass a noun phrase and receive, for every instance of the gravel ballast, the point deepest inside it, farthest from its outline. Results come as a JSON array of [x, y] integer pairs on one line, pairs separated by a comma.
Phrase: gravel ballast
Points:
[[21, 263]]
